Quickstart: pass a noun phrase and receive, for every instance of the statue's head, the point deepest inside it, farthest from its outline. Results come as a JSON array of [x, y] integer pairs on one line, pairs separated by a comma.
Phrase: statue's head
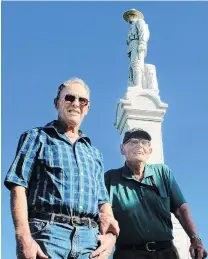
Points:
[[132, 15], [132, 18]]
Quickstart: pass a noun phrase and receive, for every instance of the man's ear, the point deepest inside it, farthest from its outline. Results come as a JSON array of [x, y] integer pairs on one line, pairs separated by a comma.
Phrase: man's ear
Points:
[[56, 104], [150, 151], [87, 110], [122, 149]]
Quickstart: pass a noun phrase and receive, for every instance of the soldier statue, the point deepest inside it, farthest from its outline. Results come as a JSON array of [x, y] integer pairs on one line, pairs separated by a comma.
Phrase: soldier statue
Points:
[[138, 36]]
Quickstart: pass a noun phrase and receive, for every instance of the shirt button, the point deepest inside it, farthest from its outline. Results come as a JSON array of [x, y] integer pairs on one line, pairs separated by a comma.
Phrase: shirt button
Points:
[[80, 207], [81, 190]]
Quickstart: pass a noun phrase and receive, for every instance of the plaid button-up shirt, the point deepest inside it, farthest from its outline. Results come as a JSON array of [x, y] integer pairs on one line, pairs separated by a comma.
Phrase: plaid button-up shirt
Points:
[[59, 176]]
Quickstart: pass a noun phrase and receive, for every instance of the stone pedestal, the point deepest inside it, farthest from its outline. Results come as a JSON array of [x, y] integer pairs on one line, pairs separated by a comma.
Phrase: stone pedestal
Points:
[[142, 108]]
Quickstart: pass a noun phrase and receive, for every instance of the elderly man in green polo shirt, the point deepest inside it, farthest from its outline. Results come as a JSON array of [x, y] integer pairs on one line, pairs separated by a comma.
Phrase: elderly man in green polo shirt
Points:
[[143, 197]]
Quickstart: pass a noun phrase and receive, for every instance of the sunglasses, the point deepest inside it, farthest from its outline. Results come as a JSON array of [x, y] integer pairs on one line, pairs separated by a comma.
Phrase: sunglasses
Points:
[[71, 98]]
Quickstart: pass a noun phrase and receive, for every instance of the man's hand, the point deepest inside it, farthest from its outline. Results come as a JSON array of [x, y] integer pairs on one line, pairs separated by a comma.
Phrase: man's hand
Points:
[[108, 224], [107, 243], [27, 248], [197, 250]]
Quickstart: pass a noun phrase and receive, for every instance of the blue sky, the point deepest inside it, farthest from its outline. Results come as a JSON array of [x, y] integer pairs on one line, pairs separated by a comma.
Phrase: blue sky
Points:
[[45, 43]]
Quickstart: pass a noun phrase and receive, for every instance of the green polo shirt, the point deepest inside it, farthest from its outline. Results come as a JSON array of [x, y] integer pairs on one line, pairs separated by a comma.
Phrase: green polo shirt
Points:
[[143, 214]]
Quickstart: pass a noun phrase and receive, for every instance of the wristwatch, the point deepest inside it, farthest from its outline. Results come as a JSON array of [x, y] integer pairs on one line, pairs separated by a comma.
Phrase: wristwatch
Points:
[[193, 236]]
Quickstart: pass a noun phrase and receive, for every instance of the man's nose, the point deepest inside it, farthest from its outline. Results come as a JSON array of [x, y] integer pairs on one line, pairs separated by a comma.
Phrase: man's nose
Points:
[[75, 102], [139, 145]]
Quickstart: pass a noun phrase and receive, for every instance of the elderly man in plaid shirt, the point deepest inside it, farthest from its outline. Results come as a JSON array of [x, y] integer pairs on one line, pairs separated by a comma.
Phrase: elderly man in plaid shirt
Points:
[[58, 195]]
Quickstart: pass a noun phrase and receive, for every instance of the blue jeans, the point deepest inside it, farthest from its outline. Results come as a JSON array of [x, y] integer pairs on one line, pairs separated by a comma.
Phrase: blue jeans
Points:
[[64, 241]]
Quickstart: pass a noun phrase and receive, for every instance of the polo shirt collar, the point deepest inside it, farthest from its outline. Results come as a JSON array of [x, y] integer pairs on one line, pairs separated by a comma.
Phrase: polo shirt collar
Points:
[[127, 173]]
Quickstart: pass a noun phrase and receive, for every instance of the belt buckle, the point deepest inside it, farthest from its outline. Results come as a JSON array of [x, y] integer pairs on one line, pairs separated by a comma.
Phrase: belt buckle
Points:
[[73, 220], [147, 247]]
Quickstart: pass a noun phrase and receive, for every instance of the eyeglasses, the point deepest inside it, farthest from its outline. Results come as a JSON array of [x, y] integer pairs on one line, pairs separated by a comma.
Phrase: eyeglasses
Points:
[[71, 98], [135, 142]]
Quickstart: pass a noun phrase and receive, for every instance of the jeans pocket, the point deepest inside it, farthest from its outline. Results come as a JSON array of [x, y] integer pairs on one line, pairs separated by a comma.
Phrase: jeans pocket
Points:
[[37, 226]]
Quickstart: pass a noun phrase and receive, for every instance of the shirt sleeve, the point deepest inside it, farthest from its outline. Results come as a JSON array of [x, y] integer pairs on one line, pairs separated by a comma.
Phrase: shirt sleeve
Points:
[[176, 195], [22, 166], [103, 196]]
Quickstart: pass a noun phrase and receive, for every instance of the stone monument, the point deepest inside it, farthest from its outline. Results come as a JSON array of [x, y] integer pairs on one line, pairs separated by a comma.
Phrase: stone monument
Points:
[[142, 107]]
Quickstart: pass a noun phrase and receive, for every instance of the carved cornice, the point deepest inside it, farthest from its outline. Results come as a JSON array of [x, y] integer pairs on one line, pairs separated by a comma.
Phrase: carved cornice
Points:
[[127, 111]]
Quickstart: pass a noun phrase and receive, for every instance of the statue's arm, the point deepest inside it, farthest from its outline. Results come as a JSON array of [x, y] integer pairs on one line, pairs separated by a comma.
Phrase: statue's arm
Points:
[[143, 31]]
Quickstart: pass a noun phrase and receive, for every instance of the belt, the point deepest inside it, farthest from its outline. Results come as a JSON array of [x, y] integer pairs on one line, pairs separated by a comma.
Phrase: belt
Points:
[[149, 246], [60, 218]]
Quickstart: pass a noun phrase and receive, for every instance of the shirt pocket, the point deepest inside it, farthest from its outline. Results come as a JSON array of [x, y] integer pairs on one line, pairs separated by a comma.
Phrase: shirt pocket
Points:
[[53, 161], [160, 204], [52, 156]]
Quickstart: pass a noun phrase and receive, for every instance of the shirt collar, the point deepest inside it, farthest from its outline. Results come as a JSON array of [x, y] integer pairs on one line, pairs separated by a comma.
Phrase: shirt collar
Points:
[[53, 125], [127, 173]]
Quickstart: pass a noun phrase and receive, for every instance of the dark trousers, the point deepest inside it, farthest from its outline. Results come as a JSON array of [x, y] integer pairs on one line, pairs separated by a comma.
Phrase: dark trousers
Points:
[[169, 253]]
